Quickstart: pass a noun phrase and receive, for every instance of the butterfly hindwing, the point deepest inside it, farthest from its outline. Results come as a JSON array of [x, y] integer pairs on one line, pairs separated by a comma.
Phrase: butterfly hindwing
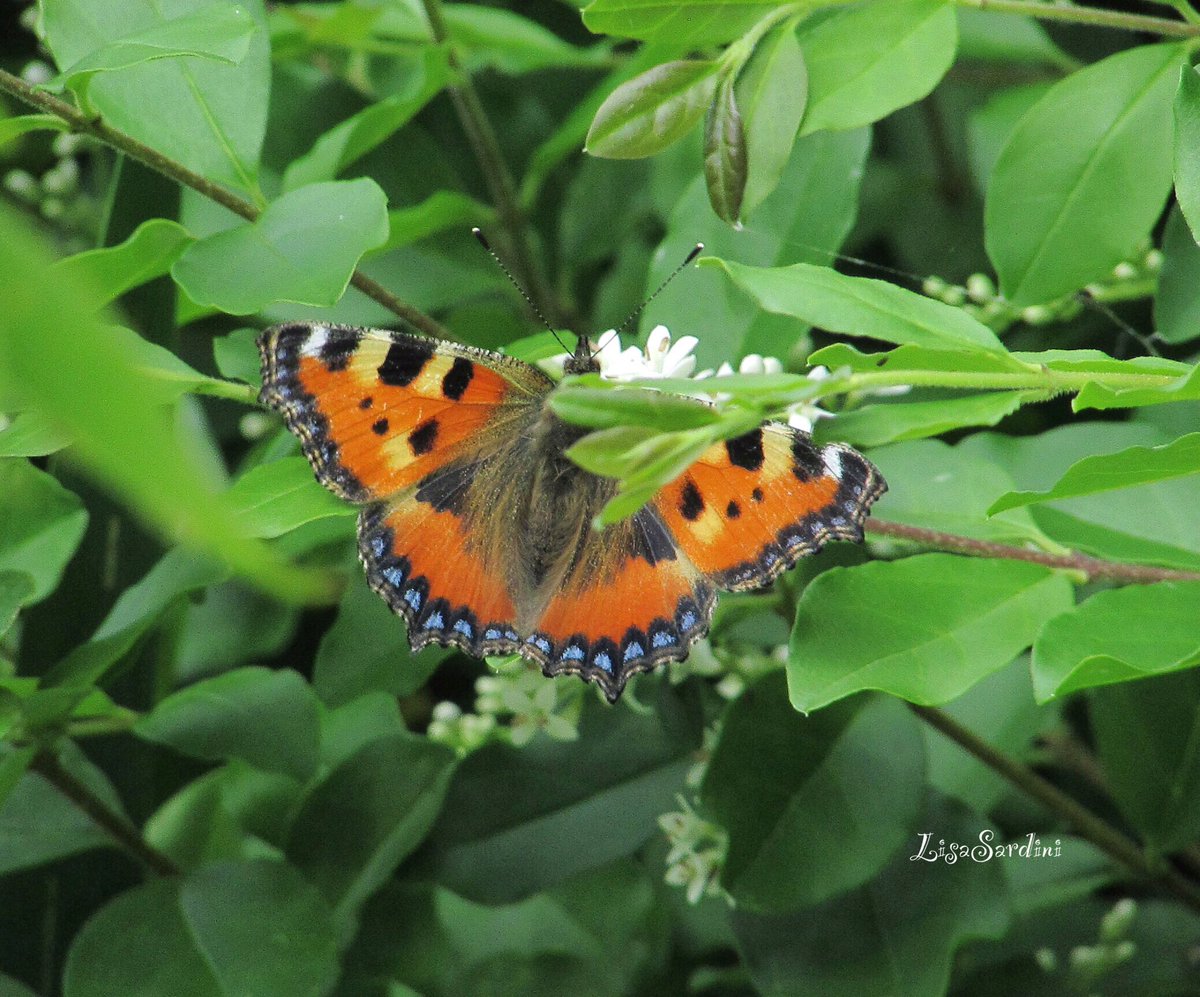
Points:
[[377, 411], [752, 506]]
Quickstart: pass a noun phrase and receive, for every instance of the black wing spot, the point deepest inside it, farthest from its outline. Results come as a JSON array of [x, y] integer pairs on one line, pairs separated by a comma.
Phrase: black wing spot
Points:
[[338, 348], [757, 494], [806, 460], [366, 403], [746, 451], [691, 503], [379, 427], [423, 437], [404, 362], [733, 510], [454, 384]]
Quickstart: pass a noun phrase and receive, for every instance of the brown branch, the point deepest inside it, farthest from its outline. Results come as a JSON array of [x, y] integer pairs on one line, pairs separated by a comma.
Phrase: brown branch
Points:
[[1093, 567], [124, 833], [1093, 16], [175, 170], [1086, 823]]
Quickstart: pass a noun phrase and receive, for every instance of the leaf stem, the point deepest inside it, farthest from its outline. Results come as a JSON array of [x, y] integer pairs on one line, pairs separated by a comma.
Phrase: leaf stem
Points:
[[1089, 826], [1042, 378], [501, 188], [175, 170], [1093, 16], [121, 830], [1093, 567]]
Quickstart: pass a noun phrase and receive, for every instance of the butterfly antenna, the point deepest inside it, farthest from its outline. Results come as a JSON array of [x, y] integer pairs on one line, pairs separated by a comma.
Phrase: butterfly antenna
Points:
[[695, 251], [482, 239]]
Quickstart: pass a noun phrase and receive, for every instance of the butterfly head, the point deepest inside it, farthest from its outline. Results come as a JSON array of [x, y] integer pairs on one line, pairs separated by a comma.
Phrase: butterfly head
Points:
[[583, 360]]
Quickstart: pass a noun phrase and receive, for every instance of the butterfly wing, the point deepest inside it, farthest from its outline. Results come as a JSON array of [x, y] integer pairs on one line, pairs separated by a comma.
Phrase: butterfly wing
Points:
[[404, 425], [752, 506]]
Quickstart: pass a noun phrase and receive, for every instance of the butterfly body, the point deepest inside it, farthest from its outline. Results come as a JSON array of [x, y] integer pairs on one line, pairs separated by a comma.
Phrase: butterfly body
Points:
[[477, 528]]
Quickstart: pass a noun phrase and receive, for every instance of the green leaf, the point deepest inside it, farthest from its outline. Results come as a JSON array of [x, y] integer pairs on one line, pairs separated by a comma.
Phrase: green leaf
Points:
[[1176, 306], [513, 825], [148, 253], [1094, 644], [725, 154], [686, 23], [1187, 146], [228, 928], [63, 364], [14, 763], [12, 128], [1147, 739], [772, 92], [866, 60], [874, 425], [266, 718], [492, 37], [220, 31], [441, 210], [41, 525], [16, 589], [217, 112], [604, 408], [645, 115], [237, 358], [276, 498], [350, 140], [1185, 388], [989, 126], [895, 935], [366, 815], [303, 248], [1135, 466], [925, 628], [1109, 127], [802, 798], [859, 306], [922, 358], [366, 650]]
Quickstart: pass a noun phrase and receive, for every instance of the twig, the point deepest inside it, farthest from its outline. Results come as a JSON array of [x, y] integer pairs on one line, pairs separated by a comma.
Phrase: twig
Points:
[[175, 170], [1092, 16], [501, 189], [1086, 823], [1093, 567], [124, 833]]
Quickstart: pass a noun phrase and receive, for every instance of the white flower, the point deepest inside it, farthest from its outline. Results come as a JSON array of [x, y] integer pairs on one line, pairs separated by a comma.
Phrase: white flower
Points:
[[660, 358], [802, 415]]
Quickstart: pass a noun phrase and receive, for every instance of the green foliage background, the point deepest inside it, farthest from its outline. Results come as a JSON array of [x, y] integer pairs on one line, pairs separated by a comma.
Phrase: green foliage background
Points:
[[222, 771]]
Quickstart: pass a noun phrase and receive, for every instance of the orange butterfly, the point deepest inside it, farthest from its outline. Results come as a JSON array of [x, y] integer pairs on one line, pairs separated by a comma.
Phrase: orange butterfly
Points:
[[477, 529]]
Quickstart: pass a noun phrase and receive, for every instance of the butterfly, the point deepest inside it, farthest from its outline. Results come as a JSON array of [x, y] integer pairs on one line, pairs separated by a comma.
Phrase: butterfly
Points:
[[477, 529]]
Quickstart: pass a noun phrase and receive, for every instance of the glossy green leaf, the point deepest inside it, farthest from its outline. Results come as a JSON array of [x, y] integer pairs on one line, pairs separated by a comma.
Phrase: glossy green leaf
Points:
[[148, 253], [217, 112], [967, 484], [366, 649], [1110, 128], [1136, 466], [989, 126], [441, 210], [921, 358], [304, 247], [866, 60], [725, 161], [814, 806], [41, 524], [1095, 643], [1176, 305], [16, 589], [1187, 146], [276, 498], [512, 824], [1148, 742], [63, 364], [645, 115], [772, 92], [925, 628], [219, 31], [353, 138], [874, 425], [264, 717], [502, 39], [859, 306], [1184, 388], [367, 814], [237, 357], [228, 928], [896, 935], [602, 408], [23, 124], [687, 23]]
